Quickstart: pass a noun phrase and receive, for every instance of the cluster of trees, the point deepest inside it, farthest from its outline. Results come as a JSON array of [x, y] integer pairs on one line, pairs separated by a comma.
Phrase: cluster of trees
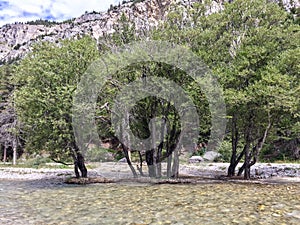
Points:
[[253, 47]]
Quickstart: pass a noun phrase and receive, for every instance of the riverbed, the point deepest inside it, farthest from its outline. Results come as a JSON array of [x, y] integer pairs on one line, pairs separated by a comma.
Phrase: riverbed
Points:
[[32, 202], [40, 196]]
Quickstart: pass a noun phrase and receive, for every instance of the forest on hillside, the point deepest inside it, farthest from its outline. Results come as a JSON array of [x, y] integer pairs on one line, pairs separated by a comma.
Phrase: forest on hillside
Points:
[[251, 47]]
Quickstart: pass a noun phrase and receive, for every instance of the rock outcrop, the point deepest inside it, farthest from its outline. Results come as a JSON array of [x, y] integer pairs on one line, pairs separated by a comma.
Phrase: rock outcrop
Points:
[[16, 39]]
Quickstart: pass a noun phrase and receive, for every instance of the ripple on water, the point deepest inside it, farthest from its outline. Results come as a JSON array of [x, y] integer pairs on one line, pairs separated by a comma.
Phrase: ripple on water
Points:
[[30, 203]]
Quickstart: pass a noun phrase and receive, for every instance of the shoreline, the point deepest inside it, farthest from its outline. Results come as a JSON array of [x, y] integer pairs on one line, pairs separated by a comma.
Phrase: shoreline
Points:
[[262, 172]]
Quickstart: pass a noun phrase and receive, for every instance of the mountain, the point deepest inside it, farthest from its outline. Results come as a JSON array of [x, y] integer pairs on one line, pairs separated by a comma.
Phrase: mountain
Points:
[[16, 39]]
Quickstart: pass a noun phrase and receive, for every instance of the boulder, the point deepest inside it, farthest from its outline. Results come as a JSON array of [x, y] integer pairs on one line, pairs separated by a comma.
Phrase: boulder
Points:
[[123, 160], [196, 159], [211, 155]]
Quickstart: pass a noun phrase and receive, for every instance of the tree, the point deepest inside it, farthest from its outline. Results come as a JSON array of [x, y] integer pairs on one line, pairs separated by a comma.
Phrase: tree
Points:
[[248, 36], [147, 109], [241, 44], [46, 80], [10, 142]]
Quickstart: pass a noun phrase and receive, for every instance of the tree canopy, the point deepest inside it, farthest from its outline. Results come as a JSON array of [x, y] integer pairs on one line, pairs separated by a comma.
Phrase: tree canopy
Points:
[[252, 47]]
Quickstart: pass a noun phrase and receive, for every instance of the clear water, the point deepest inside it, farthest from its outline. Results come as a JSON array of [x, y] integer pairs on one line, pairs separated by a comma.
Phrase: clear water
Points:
[[36, 202]]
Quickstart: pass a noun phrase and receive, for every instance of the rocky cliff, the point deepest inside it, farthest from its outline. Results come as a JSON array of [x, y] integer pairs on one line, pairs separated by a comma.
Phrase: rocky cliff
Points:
[[16, 39]]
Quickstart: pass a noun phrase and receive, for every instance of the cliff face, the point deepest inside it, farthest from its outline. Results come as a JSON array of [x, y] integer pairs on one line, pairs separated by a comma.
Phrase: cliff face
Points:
[[16, 39]]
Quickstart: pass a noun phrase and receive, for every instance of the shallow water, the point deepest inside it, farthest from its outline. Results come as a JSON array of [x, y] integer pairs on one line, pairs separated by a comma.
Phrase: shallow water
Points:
[[36, 202]]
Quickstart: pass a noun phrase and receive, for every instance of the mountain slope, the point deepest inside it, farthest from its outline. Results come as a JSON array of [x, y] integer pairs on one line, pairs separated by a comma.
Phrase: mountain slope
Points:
[[16, 39]]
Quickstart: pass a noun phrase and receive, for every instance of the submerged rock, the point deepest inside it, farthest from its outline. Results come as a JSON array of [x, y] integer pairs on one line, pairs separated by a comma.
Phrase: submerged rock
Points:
[[88, 180]]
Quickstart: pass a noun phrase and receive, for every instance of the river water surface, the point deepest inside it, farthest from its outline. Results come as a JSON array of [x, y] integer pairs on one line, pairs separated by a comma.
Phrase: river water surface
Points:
[[30, 202]]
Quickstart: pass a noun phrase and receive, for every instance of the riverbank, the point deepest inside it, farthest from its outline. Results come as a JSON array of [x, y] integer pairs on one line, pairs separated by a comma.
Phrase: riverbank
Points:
[[120, 171]]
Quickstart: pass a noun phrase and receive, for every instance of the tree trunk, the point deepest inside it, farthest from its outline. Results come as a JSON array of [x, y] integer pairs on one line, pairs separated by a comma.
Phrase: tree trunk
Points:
[[5, 152], [253, 156], [149, 160], [231, 170], [125, 151], [158, 161], [169, 165], [14, 152], [247, 153], [234, 143], [81, 164], [175, 169], [155, 150], [246, 165], [140, 168]]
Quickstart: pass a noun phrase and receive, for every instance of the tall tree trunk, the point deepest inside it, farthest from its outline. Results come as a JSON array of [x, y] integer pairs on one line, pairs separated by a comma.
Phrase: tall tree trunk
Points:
[[76, 171], [169, 166], [247, 166], [14, 151], [175, 169], [234, 143], [248, 141], [158, 161], [79, 163], [256, 150], [253, 155], [5, 152], [153, 137], [149, 160], [125, 151], [140, 168]]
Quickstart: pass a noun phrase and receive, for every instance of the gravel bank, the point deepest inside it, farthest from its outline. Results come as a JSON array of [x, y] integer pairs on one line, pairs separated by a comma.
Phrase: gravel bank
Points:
[[259, 170], [121, 170]]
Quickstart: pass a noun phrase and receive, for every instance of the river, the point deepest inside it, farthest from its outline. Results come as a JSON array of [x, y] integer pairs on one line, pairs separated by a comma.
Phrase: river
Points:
[[36, 202]]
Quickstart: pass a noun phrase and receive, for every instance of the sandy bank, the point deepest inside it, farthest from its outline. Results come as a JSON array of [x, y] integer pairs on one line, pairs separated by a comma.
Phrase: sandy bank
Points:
[[288, 172]]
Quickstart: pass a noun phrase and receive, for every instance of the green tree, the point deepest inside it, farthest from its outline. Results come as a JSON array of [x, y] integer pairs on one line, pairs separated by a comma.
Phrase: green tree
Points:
[[148, 108], [10, 143], [242, 44], [46, 80]]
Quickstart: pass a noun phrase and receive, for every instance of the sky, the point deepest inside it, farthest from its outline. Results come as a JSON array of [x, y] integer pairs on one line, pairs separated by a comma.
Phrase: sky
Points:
[[27, 10]]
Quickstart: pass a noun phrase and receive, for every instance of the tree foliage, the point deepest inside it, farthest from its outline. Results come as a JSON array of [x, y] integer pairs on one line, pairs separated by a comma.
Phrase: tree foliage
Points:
[[251, 46], [47, 79]]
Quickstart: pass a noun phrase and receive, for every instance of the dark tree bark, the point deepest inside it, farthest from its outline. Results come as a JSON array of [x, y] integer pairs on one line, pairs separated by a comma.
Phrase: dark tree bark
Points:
[[253, 155], [150, 163], [235, 157], [140, 168], [234, 142], [248, 140], [79, 164], [125, 151], [4, 153]]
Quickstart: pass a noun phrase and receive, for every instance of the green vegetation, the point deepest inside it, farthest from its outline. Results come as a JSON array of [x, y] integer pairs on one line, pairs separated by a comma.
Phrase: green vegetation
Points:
[[46, 23], [253, 47], [50, 23], [47, 78]]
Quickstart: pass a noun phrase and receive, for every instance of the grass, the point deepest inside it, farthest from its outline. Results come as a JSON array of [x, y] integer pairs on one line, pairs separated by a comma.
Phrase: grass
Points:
[[45, 163], [37, 163]]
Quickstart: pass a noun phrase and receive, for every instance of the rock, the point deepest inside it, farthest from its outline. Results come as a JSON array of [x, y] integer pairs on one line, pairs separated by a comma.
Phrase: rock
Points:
[[196, 159], [123, 160], [211, 155], [295, 214]]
